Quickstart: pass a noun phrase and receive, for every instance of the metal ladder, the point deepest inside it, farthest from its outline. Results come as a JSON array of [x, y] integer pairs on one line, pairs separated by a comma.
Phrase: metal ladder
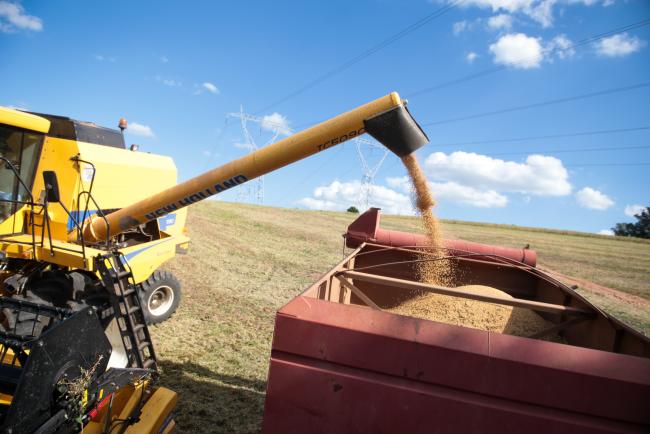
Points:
[[127, 310]]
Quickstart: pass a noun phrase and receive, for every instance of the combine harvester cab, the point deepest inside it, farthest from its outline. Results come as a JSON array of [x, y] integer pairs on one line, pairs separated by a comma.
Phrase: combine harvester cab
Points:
[[341, 361]]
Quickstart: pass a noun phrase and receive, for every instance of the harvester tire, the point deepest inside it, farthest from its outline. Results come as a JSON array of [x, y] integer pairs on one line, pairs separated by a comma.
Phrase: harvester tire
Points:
[[160, 295]]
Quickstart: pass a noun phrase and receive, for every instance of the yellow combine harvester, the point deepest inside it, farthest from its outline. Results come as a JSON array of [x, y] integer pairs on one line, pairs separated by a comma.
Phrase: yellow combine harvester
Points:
[[85, 225], [95, 174]]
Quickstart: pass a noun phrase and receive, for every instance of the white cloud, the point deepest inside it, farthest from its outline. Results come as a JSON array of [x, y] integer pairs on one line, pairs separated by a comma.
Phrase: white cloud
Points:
[[471, 56], [102, 58], [539, 175], [501, 5], [592, 2], [462, 178], [140, 130], [518, 50], [274, 122], [632, 210], [455, 193], [247, 146], [338, 196], [210, 87], [206, 87], [164, 59], [13, 18], [560, 46], [619, 45], [593, 199], [168, 81], [460, 26], [501, 21], [209, 154], [606, 232], [540, 11]]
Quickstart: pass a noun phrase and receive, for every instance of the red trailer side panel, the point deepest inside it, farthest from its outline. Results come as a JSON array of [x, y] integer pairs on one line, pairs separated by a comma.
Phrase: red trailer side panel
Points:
[[345, 368]]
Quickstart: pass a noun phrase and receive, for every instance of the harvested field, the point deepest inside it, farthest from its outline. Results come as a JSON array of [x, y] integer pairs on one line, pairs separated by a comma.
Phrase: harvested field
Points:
[[246, 261]]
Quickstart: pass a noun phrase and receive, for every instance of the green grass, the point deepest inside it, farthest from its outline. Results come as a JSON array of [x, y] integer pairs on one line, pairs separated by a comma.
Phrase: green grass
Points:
[[247, 261]]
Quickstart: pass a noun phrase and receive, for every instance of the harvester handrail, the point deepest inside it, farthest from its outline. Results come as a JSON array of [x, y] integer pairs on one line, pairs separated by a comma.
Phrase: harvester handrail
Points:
[[88, 192]]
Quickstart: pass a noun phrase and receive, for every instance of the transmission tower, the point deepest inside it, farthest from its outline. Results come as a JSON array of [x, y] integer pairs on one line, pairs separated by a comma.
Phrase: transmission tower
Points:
[[371, 160], [253, 191]]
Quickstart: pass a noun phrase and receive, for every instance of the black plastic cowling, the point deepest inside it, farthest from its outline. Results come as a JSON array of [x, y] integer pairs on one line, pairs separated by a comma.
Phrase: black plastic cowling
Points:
[[397, 130]]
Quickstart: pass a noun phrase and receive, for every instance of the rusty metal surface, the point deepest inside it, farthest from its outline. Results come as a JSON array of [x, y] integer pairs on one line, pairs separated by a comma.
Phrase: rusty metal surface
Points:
[[338, 366], [366, 229]]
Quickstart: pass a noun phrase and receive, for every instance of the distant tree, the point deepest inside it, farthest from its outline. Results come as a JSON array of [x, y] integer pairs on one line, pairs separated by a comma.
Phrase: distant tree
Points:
[[353, 209], [640, 229]]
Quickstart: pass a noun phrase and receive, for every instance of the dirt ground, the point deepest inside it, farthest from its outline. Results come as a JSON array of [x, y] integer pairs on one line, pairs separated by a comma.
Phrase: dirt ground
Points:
[[247, 261]]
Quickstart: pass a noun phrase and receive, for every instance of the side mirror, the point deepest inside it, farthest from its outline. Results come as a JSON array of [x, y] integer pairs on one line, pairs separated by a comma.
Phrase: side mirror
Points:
[[51, 186]]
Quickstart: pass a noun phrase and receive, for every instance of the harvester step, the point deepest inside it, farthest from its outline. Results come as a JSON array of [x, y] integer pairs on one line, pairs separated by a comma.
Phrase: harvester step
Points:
[[126, 304], [123, 274]]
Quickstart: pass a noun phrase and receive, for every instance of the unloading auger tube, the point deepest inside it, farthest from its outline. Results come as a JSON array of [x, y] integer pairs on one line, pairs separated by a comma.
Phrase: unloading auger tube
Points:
[[386, 119]]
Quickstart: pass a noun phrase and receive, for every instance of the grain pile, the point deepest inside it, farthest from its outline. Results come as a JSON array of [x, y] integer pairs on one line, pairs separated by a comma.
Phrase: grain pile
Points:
[[442, 272], [474, 314]]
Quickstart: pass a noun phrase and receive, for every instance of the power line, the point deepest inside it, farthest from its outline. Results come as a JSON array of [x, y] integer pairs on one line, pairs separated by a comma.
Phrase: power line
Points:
[[212, 152], [564, 151], [495, 69], [602, 149], [469, 77], [372, 50], [541, 104], [325, 164], [549, 136]]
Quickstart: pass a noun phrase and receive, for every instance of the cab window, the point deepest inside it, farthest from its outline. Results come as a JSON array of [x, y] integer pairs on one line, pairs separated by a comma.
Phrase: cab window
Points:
[[21, 148]]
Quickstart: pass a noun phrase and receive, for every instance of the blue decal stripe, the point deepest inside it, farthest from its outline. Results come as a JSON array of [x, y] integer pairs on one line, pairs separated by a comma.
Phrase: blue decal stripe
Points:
[[131, 255]]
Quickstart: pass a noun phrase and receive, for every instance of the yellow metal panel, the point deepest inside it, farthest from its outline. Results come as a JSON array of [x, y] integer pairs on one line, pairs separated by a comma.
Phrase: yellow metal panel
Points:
[[56, 156], [154, 412], [18, 247], [127, 395], [5, 399], [170, 428], [146, 258], [124, 177], [15, 223], [28, 121]]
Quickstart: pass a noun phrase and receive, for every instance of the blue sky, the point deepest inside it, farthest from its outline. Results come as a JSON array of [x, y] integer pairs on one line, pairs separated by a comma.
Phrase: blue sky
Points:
[[174, 70]]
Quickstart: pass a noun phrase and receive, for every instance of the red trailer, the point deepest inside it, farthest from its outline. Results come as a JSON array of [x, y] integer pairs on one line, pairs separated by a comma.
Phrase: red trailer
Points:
[[341, 363]]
